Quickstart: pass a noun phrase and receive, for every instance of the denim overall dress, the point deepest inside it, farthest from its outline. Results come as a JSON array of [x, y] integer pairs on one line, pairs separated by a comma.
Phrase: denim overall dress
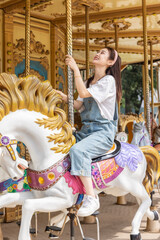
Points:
[[95, 138]]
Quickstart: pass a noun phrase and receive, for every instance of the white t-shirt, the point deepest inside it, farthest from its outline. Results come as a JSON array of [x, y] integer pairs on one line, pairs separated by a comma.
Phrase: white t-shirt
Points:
[[104, 93]]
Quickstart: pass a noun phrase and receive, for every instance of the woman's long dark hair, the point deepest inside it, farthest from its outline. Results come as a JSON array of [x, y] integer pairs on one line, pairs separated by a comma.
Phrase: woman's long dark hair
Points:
[[115, 71]]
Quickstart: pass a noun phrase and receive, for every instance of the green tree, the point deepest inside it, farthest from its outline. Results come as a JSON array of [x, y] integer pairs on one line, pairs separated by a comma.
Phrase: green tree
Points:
[[132, 88]]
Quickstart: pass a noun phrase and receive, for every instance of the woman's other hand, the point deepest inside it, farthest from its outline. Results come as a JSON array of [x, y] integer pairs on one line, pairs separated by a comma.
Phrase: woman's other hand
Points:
[[69, 61], [64, 96]]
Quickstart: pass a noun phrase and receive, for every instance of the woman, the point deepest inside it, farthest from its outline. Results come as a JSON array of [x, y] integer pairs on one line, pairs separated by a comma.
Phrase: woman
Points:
[[97, 103]]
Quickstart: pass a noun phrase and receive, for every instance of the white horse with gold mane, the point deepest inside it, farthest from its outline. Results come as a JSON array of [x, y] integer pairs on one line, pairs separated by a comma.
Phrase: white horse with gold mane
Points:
[[29, 113]]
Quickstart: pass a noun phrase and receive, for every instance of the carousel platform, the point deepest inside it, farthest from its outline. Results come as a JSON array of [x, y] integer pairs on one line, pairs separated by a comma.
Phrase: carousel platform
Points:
[[115, 222]]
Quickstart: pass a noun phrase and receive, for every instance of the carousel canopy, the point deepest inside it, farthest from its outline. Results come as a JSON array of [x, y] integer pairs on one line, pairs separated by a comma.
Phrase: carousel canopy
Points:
[[104, 15]]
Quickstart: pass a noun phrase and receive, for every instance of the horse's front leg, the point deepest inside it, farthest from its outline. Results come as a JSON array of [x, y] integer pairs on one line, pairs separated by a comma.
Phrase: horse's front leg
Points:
[[47, 204], [13, 199]]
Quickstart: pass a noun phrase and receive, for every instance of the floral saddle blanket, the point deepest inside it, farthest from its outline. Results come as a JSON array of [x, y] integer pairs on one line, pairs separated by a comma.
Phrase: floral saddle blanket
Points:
[[103, 171]]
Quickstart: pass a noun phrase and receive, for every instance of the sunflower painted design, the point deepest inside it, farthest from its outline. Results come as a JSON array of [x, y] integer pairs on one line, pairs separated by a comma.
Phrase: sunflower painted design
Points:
[[51, 176]]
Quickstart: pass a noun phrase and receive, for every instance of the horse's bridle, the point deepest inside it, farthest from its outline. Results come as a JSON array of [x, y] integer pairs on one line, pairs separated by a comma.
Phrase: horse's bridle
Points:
[[6, 142]]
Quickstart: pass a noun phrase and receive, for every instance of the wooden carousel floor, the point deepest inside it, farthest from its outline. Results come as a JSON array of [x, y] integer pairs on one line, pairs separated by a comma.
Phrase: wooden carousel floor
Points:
[[115, 223]]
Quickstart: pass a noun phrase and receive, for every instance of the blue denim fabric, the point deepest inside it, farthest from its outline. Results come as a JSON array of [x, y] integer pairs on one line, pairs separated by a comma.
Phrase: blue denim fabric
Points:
[[95, 138]]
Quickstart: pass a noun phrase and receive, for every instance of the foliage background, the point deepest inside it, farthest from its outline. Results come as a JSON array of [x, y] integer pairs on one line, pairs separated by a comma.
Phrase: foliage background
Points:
[[132, 88]]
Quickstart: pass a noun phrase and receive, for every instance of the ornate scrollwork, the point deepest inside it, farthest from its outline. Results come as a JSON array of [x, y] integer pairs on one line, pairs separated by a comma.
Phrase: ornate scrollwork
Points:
[[44, 62], [36, 46], [42, 6], [130, 117], [17, 58], [94, 5], [33, 72], [121, 24], [153, 40], [60, 53], [104, 41]]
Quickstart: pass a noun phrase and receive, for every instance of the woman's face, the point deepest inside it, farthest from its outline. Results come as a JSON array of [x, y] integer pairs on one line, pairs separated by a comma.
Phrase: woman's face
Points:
[[102, 58]]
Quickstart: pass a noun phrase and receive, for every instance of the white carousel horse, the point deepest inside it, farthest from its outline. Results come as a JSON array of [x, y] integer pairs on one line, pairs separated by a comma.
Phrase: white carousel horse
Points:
[[140, 135], [29, 113]]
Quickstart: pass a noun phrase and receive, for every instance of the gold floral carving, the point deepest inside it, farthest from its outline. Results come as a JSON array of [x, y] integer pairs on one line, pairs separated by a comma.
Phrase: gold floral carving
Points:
[[90, 30], [153, 40], [24, 153], [17, 58], [103, 41], [121, 24], [60, 53], [42, 6], [36, 46], [94, 5], [44, 62], [56, 15], [130, 117], [33, 72]]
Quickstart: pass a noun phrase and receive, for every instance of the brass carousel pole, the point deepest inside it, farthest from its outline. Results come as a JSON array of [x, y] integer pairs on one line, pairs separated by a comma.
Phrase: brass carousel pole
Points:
[[158, 90], [146, 65], [120, 200], [27, 37], [144, 93], [69, 72], [116, 48], [152, 84], [87, 40], [116, 36]]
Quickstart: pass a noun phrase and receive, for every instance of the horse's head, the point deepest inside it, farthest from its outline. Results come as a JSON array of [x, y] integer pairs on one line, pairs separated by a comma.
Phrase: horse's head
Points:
[[140, 134], [11, 163]]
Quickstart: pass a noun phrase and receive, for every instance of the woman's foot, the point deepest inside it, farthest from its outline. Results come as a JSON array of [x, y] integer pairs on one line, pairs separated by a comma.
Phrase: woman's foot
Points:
[[89, 206]]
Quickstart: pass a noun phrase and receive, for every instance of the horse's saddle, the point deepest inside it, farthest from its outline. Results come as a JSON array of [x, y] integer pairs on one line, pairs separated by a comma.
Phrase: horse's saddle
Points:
[[114, 151]]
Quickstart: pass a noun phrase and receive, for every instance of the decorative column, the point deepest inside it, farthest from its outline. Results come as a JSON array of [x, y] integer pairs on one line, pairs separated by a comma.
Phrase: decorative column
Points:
[[69, 72], [27, 38], [146, 64], [1, 235], [8, 66]]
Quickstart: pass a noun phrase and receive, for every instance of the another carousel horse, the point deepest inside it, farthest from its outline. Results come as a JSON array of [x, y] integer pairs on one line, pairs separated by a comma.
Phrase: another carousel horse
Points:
[[140, 135], [29, 113], [156, 138]]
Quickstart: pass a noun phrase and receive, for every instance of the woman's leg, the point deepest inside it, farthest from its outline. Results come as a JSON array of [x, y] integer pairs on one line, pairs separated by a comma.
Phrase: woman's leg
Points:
[[87, 182]]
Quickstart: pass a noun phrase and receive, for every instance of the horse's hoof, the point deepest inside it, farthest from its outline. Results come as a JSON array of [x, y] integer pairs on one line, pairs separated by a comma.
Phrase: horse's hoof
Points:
[[47, 229], [135, 236], [156, 216], [32, 231], [54, 228], [18, 223], [52, 236], [88, 239]]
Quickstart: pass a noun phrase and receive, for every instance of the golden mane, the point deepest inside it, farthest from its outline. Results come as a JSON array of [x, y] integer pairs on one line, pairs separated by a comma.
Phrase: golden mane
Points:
[[32, 94]]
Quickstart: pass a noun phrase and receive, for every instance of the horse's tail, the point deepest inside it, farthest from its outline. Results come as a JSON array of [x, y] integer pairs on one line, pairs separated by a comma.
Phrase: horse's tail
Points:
[[153, 167]]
